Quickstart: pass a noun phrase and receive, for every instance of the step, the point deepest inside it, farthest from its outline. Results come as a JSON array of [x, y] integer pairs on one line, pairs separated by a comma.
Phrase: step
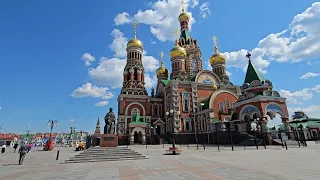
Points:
[[102, 160], [120, 155], [115, 157]]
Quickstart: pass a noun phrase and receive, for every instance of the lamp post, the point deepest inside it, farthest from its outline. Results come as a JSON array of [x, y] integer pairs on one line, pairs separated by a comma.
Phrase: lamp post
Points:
[[52, 123], [170, 114], [81, 133], [72, 131], [28, 131]]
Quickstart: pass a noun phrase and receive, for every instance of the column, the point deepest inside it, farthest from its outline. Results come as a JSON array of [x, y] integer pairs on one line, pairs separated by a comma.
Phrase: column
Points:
[[143, 139], [131, 71]]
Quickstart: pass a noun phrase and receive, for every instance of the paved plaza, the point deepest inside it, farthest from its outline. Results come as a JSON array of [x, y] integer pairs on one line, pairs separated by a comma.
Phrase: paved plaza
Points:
[[273, 163]]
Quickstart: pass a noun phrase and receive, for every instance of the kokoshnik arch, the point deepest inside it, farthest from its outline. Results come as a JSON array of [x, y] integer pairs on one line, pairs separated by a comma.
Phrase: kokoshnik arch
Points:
[[196, 97]]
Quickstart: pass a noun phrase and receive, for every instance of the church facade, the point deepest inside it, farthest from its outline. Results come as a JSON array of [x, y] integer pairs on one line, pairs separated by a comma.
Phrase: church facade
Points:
[[189, 100]]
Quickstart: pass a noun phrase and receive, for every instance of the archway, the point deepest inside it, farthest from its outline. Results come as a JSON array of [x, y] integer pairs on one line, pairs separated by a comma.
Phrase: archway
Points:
[[136, 137], [158, 130]]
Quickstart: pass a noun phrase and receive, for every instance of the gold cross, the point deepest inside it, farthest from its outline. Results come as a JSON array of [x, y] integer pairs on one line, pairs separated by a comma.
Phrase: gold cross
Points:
[[176, 34], [182, 5], [215, 43], [135, 25], [161, 55]]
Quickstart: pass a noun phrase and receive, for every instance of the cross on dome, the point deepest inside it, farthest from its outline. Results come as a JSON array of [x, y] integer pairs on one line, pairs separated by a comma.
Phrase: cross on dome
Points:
[[182, 5], [215, 43], [176, 35], [135, 25], [249, 56]]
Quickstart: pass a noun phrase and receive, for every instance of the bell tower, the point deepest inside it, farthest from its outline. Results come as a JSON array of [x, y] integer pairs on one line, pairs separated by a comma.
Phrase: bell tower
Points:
[[193, 59], [133, 75]]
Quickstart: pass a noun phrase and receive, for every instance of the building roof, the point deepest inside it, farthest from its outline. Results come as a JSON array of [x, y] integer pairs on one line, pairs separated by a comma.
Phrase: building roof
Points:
[[186, 35], [305, 122], [165, 82], [253, 74]]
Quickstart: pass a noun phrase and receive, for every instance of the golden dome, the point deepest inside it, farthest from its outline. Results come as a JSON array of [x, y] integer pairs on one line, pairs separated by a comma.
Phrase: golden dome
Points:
[[162, 70], [217, 57], [184, 16], [135, 43], [177, 51]]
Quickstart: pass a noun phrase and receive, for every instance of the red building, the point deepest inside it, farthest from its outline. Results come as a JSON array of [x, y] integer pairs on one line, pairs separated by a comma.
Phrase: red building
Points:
[[191, 100]]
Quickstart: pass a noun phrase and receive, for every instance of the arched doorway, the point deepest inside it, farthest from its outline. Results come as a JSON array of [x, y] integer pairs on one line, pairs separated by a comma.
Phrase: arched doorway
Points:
[[158, 130], [136, 137]]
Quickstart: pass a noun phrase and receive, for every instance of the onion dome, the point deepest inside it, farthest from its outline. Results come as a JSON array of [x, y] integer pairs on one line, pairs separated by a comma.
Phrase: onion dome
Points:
[[135, 43], [177, 51], [183, 17], [217, 57], [162, 70]]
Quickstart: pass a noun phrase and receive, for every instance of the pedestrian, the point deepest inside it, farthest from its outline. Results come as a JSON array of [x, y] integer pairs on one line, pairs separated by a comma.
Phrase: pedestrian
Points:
[[3, 149], [24, 149], [15, 147]]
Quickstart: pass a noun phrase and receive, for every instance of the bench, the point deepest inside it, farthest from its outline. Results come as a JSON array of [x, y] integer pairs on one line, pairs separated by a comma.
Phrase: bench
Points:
[[170, 151]]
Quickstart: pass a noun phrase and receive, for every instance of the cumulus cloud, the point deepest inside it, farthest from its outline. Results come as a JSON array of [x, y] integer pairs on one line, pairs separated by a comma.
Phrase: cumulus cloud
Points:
[[311, 111], [309, 75], [300, 41], [87, 58], [122, 18], [204, 10], [298, 97], [88, 90], [162, 17], [119, 44], [102, 103]]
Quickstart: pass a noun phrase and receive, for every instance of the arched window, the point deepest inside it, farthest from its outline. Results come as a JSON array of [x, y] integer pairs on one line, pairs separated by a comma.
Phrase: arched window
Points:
[[194, 65], [185, 101], [134, 112], [135, 75], [155, 110], [187, 124]]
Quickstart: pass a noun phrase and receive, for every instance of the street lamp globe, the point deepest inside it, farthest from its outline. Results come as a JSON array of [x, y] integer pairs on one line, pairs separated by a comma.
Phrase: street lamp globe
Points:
[[167, 113], [171, 111], [178, 112]]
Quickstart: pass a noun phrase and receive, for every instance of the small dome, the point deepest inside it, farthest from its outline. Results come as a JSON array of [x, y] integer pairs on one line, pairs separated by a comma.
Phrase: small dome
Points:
[[162, 70], [184, 17], [135, 43], [217, 57], [214, 87], [177, 51]]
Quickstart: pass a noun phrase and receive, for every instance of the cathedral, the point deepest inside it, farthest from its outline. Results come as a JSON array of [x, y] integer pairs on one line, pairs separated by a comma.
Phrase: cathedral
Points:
[[189, 100]]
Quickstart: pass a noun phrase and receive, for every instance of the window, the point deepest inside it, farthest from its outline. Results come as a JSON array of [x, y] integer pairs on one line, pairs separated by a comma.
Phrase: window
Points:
[[194, 65], [175, 65], [187, 124], [134, 112], [227, 104], [185, 101], [155, 110], [220, 106], [233, 105]]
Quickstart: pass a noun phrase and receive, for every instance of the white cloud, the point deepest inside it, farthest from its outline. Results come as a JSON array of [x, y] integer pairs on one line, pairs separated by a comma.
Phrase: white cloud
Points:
[[102, 103], [109, 72], [299, 96], [316, 88], [87, 58], [309, 75], [71, 120], [163, 17], [296, 97], [150, 81], [229, 73], [150, 63], [204, 10], [88, 90], [311, 111], [122, 18], [119, 44], [301, 41]]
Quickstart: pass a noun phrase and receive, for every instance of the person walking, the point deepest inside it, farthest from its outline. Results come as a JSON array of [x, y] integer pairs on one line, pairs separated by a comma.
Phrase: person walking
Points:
[[3, 149], [23, 150], [15, 147]]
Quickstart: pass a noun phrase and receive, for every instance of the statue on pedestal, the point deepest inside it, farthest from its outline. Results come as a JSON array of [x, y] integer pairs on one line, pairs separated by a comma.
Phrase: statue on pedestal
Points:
[[110, 122]]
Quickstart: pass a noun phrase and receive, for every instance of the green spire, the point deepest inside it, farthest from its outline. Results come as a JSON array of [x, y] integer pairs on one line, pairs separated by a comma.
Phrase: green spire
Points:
[[252, 73]]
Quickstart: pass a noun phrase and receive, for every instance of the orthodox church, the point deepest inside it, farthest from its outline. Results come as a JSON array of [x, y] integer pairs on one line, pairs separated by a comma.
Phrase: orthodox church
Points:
[[190, 100]]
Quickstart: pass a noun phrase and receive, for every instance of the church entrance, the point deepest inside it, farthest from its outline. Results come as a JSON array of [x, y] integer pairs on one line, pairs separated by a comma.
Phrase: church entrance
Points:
[[137, 137], [158, 130]]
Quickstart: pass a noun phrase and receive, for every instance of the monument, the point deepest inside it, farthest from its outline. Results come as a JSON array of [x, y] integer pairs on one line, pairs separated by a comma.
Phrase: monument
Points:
[[110, 137]]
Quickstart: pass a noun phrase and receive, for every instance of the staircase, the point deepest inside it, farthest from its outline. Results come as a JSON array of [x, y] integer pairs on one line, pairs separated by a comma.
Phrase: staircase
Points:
[[99, 154], [248, 139]]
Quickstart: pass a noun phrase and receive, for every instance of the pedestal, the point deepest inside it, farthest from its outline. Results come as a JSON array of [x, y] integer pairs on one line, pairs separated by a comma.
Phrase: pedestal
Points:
[[108, 140]]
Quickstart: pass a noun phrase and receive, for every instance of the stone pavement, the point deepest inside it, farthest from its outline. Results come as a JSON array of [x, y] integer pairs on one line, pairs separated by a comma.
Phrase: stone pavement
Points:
[[273, 163]]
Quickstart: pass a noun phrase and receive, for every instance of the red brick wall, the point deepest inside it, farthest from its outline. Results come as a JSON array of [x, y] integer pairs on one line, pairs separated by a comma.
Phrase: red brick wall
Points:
[[222, 97]]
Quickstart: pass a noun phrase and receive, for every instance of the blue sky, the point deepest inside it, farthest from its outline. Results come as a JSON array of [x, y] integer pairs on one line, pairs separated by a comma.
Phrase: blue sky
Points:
[[49, 49]]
